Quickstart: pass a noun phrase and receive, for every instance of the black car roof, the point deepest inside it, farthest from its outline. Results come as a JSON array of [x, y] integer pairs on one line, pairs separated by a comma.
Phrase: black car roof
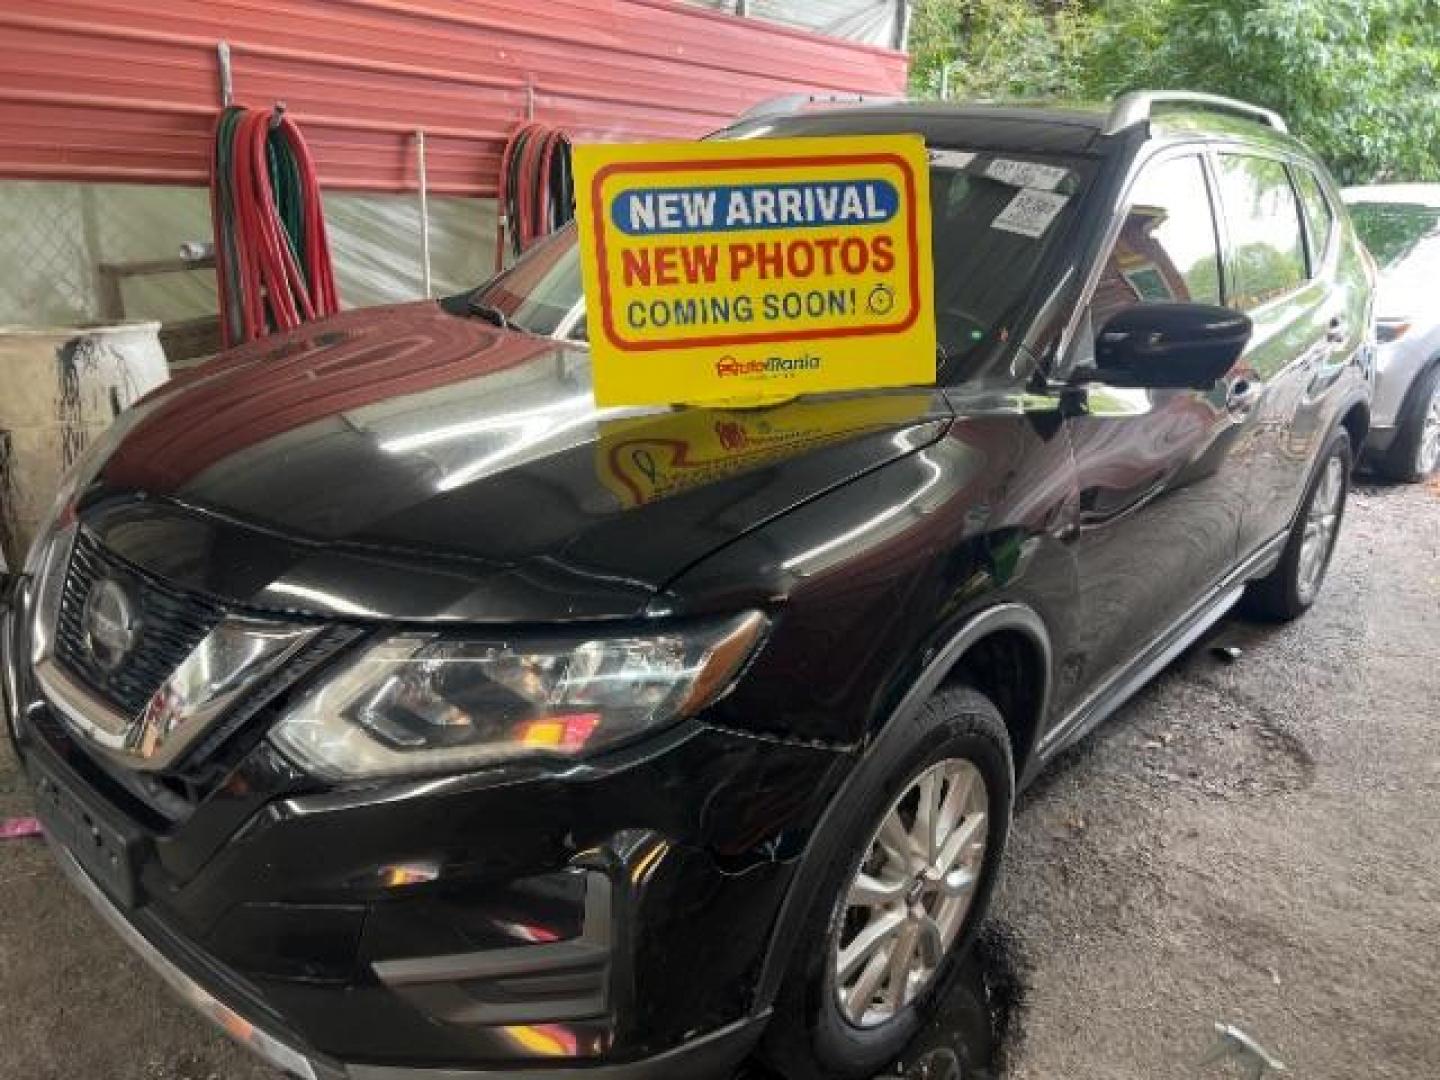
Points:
[[1041, 127]]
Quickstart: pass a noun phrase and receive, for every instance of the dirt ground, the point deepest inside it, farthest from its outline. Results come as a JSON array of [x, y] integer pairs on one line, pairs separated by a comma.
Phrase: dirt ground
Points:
[[1250, 841], [1253, 842]]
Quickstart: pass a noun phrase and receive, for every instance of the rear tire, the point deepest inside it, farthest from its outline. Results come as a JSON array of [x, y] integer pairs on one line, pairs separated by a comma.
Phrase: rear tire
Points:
[[824, 1024], [1289, 590], [1415, 452]]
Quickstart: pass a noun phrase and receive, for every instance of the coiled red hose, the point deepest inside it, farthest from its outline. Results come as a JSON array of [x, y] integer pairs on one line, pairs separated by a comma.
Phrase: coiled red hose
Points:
[[272, 254], [536, 189]]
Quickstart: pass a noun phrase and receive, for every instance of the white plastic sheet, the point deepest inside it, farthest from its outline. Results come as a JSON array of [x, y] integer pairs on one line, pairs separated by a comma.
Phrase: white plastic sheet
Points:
[[873, 22], [54, 236]]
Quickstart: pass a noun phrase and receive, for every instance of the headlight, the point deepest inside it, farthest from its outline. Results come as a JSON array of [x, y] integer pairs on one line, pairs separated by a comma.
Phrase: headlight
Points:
[[423, 703]]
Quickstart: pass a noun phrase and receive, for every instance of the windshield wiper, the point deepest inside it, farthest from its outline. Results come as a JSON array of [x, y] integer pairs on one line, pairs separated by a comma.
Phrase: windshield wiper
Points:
[[943, 357], [490, 313]]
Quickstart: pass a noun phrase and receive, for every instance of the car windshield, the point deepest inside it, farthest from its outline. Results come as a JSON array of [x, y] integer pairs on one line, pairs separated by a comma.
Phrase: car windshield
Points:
[[1393, 231], [994, 215]]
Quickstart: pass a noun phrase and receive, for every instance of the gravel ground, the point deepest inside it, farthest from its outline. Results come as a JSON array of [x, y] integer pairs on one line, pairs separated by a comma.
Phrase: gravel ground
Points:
[[1251, 842]]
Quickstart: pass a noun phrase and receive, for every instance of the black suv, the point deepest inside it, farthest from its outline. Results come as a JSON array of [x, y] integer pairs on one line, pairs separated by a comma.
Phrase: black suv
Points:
[[417, 719]]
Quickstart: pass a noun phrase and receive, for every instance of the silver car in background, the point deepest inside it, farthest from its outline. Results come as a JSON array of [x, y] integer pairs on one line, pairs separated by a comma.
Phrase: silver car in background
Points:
[[1400, 224]]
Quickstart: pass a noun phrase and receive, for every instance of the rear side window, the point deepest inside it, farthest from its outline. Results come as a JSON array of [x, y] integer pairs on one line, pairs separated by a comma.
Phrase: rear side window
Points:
[[1267, 246], [1319, 218], [1166, 250]]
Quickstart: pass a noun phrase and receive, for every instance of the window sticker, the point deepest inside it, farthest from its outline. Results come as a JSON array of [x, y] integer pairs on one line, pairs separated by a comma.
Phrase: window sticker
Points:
[[1026, 174], [1030, 212], [950, 159]]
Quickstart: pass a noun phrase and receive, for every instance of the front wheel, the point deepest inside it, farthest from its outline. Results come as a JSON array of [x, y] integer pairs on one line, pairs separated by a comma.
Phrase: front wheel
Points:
[[1288, 591], [912, 857]]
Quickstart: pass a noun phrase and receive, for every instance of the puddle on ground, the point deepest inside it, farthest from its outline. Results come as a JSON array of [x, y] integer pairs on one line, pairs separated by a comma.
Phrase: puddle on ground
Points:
[[970, 1026]]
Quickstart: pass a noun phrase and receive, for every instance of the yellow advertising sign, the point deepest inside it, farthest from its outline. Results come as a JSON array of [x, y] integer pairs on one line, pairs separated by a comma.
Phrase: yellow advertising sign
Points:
[[756, 269]]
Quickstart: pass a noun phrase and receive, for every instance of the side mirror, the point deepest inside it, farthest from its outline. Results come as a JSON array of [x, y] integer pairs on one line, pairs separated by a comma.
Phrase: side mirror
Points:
[[1168, 346]]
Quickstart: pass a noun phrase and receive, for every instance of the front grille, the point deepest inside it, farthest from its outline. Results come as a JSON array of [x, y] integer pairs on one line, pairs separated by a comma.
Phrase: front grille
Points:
[[171, 623]]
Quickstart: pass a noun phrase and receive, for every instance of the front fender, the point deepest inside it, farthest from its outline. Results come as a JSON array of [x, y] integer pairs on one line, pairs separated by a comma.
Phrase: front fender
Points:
[[869, 581]]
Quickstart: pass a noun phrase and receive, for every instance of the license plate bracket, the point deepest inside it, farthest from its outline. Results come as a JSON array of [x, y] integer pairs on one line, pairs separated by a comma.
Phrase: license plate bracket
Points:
[[105, 851]]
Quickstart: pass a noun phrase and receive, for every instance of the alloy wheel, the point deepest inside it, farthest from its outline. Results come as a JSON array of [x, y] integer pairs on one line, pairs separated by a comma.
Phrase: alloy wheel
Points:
[[1427, 454], [1321, 524], [907, 901]]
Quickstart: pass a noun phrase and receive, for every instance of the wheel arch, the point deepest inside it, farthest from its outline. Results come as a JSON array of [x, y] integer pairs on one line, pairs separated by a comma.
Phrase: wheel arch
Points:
[[1006, 655], [1421, 372], [1009, 630], [1356, 422]]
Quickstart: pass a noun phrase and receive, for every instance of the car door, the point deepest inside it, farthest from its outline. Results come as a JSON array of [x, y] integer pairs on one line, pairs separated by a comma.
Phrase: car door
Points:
[[1160, 490], [1299, 326]]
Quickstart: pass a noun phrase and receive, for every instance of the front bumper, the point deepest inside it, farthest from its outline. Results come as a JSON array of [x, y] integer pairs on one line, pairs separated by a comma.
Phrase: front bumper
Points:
[[272, 1049], [644, 892], [1397, 365], [708, 1055]]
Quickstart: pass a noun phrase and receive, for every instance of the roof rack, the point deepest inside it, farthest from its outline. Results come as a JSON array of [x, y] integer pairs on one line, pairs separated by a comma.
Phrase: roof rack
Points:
[[1134, 107]]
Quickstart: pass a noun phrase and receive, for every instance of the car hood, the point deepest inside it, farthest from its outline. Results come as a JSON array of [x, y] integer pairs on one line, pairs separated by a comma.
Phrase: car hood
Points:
[[410, 463], [1406, 290]]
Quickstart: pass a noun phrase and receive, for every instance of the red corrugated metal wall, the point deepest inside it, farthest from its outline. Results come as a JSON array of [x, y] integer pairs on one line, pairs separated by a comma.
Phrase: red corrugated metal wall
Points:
[[128, 89]]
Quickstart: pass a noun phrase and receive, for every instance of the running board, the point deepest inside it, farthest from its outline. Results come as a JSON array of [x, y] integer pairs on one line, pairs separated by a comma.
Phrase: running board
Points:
[[1121, 686], [1127, 682]]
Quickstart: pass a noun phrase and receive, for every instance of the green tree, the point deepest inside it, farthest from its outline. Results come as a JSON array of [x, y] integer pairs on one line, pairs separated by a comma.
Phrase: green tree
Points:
[[1356, 79], [996, 48]]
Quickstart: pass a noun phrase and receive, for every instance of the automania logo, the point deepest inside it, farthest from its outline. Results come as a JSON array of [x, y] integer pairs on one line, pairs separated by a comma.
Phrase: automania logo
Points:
[[728, 366]]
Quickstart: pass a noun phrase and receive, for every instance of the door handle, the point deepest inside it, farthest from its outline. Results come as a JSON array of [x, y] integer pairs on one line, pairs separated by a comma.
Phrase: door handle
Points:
[[1241, 396]]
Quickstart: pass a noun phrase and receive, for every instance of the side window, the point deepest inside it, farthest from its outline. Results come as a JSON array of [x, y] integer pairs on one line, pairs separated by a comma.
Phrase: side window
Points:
[[1166, 250], [1319, 218], [1267, 247]]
